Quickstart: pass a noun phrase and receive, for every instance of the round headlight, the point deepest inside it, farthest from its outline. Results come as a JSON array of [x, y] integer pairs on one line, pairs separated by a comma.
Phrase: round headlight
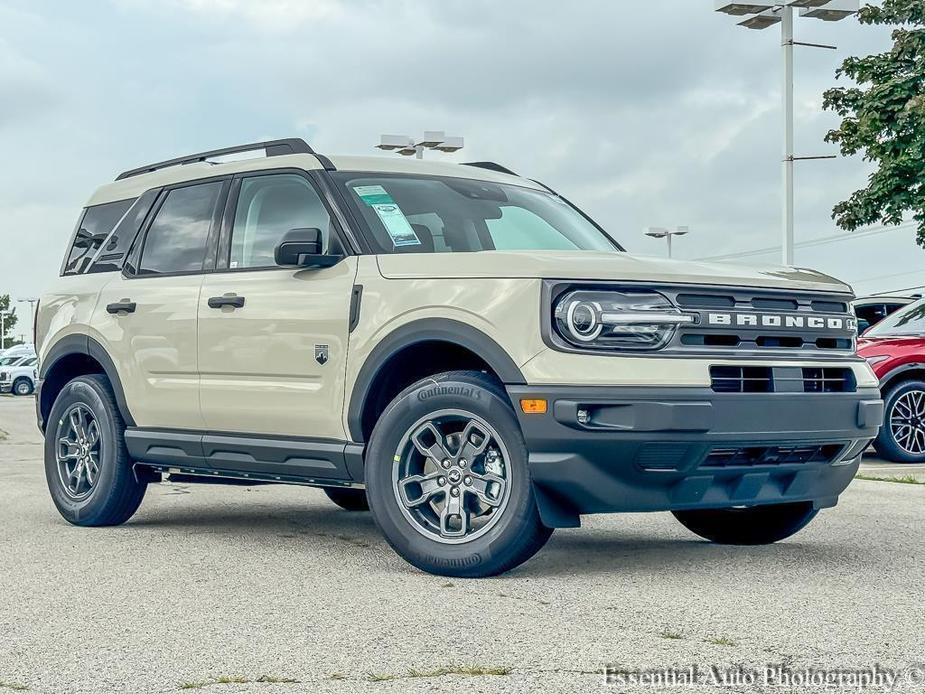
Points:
[[583, 319]]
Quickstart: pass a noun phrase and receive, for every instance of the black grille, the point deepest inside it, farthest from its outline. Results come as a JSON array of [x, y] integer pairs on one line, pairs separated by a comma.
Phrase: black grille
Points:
[[744, 321], [780, 454], [742, 379], [764, 379]]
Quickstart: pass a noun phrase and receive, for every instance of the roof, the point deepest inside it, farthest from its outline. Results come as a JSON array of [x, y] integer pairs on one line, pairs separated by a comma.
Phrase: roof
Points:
[[135, 185]]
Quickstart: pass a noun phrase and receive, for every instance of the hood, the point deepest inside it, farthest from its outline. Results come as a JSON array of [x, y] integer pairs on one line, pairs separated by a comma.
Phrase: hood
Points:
[[890, 342], [593, 265]]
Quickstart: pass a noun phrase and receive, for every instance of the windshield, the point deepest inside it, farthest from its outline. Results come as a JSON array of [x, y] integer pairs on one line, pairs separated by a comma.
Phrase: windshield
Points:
[[7, 361], [909, 320], [436, 214]]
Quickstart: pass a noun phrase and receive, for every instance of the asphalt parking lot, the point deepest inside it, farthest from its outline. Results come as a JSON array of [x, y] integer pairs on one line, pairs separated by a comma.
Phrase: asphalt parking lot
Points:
[[274, 589]]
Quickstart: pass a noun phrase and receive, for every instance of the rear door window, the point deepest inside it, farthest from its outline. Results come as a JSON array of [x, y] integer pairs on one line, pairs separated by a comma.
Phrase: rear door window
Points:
[[177, 239], [94, 227]]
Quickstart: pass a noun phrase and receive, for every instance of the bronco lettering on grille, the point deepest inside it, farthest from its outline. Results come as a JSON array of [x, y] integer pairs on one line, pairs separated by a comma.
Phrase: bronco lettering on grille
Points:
[[762, 320]]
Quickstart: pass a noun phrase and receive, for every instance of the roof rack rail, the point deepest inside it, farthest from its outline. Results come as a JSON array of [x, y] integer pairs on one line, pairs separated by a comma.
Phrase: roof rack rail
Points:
[[274, 148], [491, 166]]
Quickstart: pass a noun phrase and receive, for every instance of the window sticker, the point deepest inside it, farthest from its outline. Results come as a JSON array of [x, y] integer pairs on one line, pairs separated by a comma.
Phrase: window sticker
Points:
[[390, 214], [373, 195], [397, 225]]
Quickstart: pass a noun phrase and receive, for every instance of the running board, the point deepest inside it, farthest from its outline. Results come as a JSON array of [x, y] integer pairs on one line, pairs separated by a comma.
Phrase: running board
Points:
[[210, 476]]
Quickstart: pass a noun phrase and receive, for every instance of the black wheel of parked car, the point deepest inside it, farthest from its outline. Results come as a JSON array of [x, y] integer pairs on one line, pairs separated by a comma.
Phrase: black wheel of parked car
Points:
[[902, 436], [23, 386], [348, 499], [447, 478], [87, 466], [757, 525]]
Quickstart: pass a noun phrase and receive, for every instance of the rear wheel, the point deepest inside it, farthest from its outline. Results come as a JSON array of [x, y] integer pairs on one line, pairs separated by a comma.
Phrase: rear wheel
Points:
[[348, 499], [447, 478], [902, 436], [758, 525], [23, 386], [87, 467]]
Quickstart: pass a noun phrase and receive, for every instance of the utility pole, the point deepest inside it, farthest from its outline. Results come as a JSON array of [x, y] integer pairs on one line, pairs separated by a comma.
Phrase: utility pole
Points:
[[787, 48], [762, 14]]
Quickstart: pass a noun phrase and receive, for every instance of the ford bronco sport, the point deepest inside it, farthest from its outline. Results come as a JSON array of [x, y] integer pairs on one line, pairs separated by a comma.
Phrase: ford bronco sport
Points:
[[459, 348]]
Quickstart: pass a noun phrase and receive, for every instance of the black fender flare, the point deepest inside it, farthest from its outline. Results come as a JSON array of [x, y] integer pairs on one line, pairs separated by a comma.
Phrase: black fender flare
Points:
[[86, 346], [889, 375], [425, 330]]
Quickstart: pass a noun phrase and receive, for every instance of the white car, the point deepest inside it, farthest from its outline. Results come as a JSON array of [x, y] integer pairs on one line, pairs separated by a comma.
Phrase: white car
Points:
[[20, 376]]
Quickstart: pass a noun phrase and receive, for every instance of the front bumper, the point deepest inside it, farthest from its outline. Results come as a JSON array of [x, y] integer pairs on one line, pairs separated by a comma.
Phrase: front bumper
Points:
[[660, 449], [6, 387]]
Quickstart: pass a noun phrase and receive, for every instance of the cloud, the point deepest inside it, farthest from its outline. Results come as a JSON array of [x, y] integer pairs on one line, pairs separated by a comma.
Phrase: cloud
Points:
[[27, 89], [657, 113]]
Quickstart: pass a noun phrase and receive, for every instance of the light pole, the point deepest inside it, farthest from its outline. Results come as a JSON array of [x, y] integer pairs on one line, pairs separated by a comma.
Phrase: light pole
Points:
[[32, 301], [660, 233], [761, 15], [3, 315], [433, 139]]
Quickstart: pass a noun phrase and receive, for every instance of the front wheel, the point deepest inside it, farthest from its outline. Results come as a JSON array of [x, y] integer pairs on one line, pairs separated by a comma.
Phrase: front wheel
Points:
[[757, 525], [87, 467], [23, 386], [447, 478]]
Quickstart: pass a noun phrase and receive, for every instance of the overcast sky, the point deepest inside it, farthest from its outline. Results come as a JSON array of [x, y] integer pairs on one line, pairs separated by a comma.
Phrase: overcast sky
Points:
[[645, 112]]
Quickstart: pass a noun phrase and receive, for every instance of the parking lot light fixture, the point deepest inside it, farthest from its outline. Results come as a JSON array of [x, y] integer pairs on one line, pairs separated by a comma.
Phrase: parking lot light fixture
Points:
[[662, 233], [740, 9], [432, 139]]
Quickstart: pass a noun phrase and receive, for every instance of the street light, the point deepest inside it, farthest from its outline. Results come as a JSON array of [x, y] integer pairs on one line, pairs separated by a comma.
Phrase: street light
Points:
[[433, 139], [32, 301], [661, 233], [761, 15], [3, 315]]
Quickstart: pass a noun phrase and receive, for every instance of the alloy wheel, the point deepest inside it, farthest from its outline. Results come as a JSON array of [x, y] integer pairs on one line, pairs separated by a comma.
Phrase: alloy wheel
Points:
[[78, 450], [452, 477], [907, 422]]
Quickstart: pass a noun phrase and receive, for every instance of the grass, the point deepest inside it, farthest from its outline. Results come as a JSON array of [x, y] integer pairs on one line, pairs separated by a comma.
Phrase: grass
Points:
[[672, 635], [3, 435], [12, 685], [238, 679], [720, 641], [902, 479], [461, 670]]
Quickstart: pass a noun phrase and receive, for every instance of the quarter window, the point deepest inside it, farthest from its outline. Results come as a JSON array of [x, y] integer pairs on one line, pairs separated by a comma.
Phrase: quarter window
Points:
[[112, 254], [94, 226], [268, 207], [177, 238]]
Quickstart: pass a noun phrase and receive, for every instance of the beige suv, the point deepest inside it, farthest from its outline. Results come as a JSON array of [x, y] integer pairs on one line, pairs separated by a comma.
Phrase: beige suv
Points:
[[458, 349]]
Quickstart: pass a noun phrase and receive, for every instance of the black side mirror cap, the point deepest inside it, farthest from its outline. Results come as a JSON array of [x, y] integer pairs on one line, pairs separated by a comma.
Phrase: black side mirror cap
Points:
[[302, 248]]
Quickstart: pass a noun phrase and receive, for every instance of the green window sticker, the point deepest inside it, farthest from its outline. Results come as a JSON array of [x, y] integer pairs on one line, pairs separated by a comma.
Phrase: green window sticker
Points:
[[373, 195], [390, 214]]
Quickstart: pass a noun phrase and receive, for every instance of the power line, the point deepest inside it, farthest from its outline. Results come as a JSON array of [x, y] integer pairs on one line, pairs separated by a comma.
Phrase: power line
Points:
[[835, 238]]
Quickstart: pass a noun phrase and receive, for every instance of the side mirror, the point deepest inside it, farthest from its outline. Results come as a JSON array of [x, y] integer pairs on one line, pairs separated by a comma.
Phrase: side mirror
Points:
[[302, 248]]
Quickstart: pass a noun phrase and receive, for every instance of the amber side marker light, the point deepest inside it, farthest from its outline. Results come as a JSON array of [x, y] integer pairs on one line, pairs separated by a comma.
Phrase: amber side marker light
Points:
[[533, 406]]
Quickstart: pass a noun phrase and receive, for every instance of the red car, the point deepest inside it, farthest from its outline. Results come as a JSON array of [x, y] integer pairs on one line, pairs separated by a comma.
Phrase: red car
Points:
[[895, 349]]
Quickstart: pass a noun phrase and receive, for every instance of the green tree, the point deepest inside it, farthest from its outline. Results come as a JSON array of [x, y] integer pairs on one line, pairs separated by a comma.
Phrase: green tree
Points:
[[9, 321], [883, 116]]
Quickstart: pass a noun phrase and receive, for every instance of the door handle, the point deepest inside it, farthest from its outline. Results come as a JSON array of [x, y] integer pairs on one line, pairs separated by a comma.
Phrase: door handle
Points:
[[231, 300], [124, 306]]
